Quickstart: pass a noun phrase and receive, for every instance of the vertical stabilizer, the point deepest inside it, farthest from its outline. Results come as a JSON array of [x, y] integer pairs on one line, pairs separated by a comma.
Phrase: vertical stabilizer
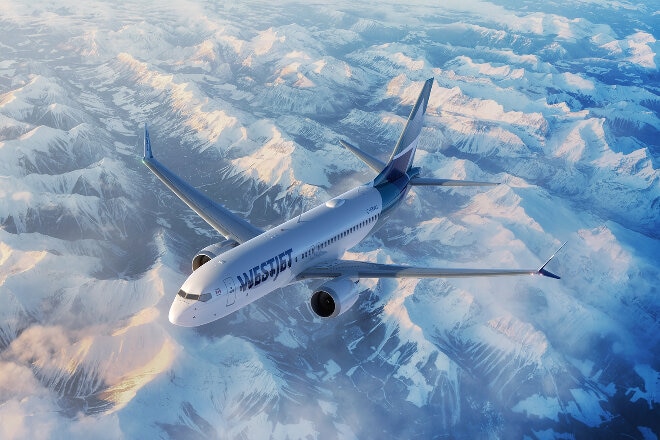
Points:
[[402, 157]]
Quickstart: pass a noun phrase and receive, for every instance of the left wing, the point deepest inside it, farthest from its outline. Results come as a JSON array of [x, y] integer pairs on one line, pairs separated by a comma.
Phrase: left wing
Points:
[[363, 269], [220, 218]]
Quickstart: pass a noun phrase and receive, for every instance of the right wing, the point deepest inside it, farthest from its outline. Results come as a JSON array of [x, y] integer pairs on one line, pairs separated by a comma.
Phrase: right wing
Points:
[[364, 269], [220, 218]]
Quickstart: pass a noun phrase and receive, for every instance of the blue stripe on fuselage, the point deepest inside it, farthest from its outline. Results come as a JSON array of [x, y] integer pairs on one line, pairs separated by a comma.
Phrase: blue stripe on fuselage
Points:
[[393, 192]]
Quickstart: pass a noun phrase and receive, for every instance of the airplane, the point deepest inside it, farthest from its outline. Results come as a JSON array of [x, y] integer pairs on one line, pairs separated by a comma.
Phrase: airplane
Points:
[[250, 263]]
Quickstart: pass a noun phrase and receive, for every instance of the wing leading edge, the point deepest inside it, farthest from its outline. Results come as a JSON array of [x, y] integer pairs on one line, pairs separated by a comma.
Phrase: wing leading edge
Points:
[[220, 218], [363, 269]]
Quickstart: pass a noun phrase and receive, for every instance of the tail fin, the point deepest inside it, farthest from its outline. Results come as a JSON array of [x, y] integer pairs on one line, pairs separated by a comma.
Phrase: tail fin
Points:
[[402, 157]]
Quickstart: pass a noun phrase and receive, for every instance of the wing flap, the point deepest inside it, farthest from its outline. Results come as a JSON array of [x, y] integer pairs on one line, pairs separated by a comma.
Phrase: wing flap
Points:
[[220, 218], [426, 181]]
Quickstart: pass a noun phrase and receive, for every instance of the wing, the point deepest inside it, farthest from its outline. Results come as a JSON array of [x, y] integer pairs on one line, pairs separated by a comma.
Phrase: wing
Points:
[[220, 218], [363, 269]]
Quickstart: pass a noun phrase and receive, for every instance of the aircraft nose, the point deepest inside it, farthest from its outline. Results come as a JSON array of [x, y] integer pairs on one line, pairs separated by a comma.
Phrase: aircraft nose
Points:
[[181, 313]]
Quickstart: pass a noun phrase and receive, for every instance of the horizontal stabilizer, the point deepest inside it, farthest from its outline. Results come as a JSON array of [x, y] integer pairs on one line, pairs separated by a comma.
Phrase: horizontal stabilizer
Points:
[[375, 164], [424, 181]]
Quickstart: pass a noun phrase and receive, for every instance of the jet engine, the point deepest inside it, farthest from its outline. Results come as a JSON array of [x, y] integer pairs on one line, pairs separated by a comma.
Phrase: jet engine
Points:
[[335, 297], [210, 252]]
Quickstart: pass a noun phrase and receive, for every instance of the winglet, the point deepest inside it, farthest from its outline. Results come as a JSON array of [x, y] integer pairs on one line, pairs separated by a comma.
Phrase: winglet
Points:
[[147, 144], [547, 273]]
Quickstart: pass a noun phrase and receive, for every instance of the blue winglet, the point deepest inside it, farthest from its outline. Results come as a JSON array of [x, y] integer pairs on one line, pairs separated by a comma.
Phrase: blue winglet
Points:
[[547, 273], [147, 144]]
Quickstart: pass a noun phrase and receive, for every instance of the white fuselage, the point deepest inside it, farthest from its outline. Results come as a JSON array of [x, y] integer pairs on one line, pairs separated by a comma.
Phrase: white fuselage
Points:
[[273, 259]]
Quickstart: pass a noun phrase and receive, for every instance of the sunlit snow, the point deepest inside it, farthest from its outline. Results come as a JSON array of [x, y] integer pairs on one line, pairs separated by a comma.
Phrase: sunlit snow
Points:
[[248, 101]]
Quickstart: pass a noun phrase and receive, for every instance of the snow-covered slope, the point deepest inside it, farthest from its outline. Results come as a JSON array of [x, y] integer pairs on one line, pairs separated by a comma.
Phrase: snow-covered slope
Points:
[[248, 102]]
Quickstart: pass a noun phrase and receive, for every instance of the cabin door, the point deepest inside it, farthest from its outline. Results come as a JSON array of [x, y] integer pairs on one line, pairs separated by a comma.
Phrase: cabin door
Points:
[[231, 291]]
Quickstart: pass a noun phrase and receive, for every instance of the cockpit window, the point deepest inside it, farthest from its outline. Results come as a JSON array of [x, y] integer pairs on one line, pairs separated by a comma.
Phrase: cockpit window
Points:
[[193, 296]]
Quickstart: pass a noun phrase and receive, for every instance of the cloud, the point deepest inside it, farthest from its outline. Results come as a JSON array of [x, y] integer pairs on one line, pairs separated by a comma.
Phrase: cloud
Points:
[[29, 409]]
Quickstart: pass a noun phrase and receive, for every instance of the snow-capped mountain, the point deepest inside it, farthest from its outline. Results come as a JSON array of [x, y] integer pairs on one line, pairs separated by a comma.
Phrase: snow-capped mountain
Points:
[[248, 102]]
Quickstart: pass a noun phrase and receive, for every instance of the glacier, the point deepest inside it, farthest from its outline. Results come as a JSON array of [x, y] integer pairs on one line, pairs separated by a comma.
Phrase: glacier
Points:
[[248, 102]]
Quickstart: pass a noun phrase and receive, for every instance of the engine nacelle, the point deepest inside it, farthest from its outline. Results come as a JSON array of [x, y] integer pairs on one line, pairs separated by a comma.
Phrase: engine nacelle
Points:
[[335, 297], [210, 252]]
